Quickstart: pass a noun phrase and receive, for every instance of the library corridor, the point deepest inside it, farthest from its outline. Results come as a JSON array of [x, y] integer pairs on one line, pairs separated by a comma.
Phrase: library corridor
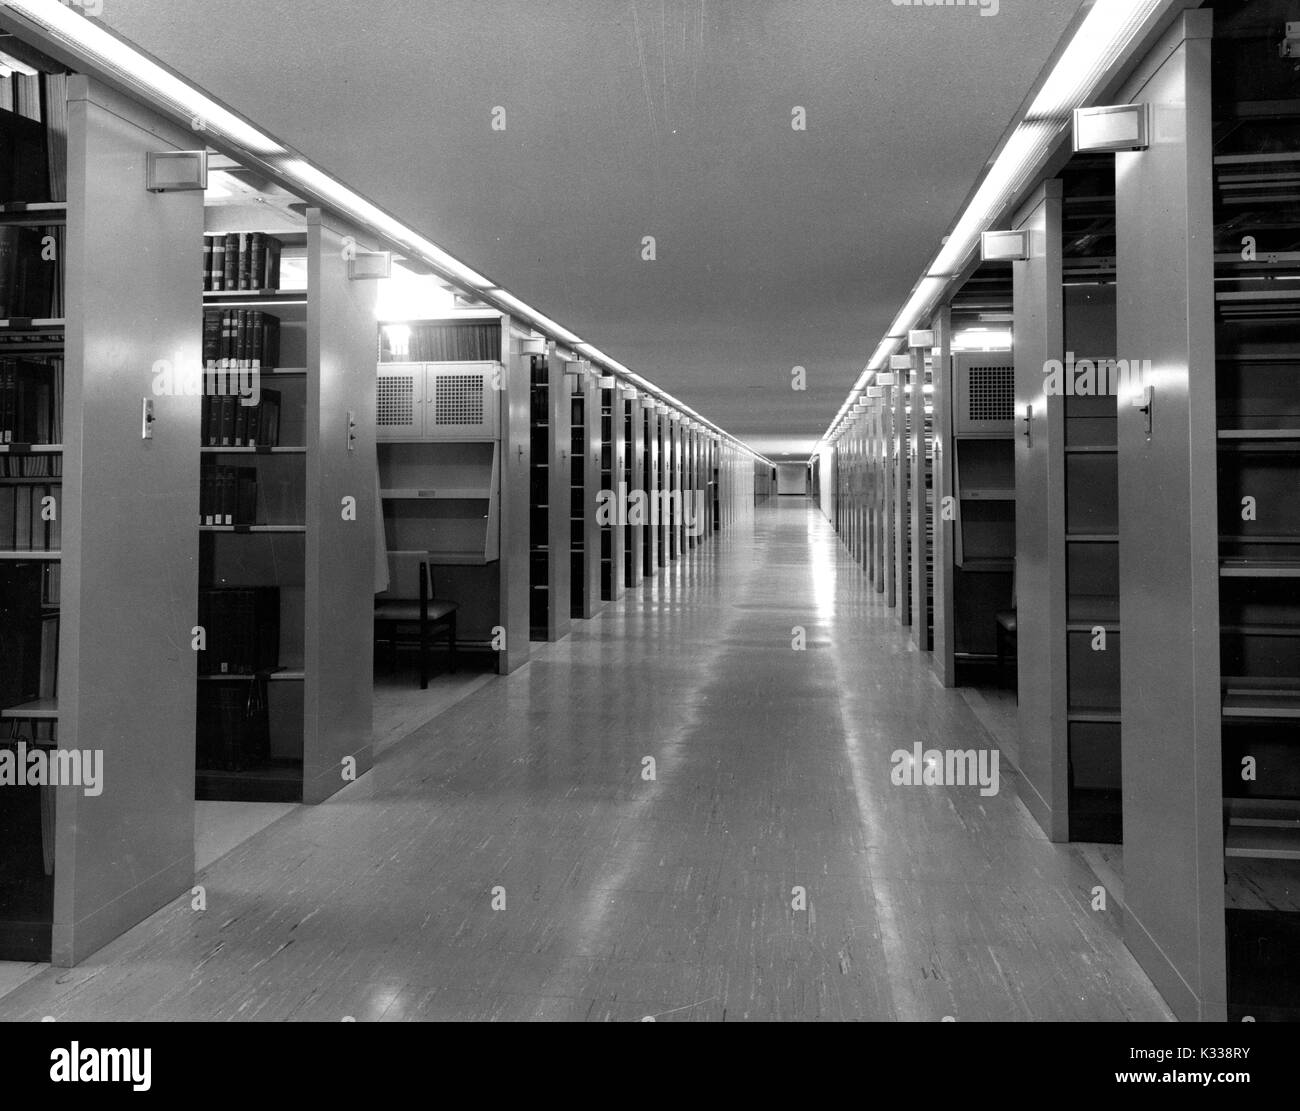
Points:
[[520, 858]]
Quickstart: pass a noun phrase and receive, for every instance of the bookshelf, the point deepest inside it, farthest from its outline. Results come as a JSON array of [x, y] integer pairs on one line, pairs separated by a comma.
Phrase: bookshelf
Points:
[[1067, 489], [103, 603], [1089, 464], [633, 479], [1256, 158], [550, 490], [651, 474], [585, 479], [282, 697], [1168, 527], [663, 482], [920, 463], [673, 480], [611, 474]]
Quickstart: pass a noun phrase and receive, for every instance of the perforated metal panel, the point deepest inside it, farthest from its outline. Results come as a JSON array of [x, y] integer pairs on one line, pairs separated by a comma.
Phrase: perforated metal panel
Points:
[[461, 401], [985, 387], [398, 399], [458, 399], [438, 401]]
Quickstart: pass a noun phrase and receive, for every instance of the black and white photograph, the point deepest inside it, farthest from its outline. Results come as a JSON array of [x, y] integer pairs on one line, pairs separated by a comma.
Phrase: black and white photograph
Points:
[[608, 511]]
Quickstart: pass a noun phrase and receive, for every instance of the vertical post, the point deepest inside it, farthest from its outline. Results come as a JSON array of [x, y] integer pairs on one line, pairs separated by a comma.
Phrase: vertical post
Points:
[[1040, 515], [1168, 524]]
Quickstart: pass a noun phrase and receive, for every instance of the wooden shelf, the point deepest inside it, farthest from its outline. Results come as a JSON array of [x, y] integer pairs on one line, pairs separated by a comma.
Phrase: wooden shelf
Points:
[[1231, 435], [988, 494], [32, 449], [987, 565], [1259, 568], [459, 559], [34, 213], [448, 493], [253, 528], [244, 298], [31, 556], [253, 450], [284, 675], [1259, 842], [32, 324], [1259, 703], [1101, 716], [43, 709]]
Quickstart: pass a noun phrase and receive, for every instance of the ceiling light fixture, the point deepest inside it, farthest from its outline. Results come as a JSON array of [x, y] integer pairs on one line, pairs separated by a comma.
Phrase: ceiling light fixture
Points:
[[1098, 46]]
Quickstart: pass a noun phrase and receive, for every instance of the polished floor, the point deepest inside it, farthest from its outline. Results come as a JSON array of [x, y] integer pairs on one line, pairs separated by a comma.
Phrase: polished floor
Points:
[[512, 859]]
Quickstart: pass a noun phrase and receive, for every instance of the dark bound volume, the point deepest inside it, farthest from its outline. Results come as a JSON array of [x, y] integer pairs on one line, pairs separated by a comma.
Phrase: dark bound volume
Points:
[[233, 727], [20, 633], [27, 280], [245, 266], [243, 629], [230, 265], [257, 261], [218, 279], [24, 160]]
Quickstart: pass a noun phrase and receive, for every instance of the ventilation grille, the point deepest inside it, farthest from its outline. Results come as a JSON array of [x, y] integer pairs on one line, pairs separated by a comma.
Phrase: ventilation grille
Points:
[[396, 401], [991, 394], [458, 399]]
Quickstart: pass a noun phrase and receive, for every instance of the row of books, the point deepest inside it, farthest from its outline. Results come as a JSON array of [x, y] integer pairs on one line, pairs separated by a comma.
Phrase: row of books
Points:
[[233, 728], [29, 273], [42, 465], [246, 339], [29, 636], [29, 518], [241, 260], [228, 496], [228, 422], [33, 137], [463, 341], [242, 629], [31, 401]]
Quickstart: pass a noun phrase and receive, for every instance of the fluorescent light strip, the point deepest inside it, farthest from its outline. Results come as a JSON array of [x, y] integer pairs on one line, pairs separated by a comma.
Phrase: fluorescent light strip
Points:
[[1100, 41], [544, 323], [1029, 144], [119, 58], [1106, 33], [79, 34]]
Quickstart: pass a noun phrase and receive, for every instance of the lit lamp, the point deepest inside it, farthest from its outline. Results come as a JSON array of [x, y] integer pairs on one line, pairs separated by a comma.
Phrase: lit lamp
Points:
[[1116, 127], [1004, 246]]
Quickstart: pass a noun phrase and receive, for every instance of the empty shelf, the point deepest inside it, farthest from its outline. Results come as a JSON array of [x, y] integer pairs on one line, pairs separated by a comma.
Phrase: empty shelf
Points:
[[1261, 702], [1276, 842], [43, 709]]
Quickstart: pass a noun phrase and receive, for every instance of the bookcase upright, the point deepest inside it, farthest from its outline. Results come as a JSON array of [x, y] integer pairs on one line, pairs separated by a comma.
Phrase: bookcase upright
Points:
[[127, 562], [314, 542]]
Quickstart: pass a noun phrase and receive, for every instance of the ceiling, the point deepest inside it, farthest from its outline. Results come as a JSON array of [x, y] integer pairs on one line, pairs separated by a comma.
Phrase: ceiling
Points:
[[775, 248]]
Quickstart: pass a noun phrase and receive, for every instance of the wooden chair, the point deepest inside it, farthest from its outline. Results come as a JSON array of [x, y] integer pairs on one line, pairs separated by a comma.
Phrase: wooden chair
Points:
[[410, 601]]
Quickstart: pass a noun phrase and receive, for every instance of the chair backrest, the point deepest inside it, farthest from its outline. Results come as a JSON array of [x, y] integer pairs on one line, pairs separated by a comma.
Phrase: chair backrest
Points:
[[404, 573]]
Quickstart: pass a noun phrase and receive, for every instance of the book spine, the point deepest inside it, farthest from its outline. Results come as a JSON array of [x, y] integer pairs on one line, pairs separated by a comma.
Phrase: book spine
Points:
[[257, 261], [230, 267], [218, 263], [245, 269]]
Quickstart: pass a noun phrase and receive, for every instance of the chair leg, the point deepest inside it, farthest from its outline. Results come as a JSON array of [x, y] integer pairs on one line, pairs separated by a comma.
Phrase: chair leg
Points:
[[451, 642], [424, 656]]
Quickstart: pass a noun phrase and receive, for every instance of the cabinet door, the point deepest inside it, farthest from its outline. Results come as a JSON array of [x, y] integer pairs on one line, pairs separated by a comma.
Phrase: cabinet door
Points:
[[399, 412]]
